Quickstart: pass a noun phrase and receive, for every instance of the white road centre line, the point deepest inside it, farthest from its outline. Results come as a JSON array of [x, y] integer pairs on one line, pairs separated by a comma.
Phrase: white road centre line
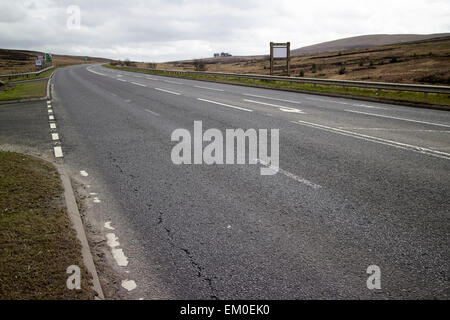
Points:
[[149, 78], [207, 88], [290, 175], [55, 136], [398, 118], [171, 92], [138, 84], [84, 173], [51, 117], [50, 111], [152, 112], [49, 106], [270, 98], [282, 108], [52, 125], [58, 152], [225, 105], [49, 102], [97, 200], [122, 80], [404, 146]]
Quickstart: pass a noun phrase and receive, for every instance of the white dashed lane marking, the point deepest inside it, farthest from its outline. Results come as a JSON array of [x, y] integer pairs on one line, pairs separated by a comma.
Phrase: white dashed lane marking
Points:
[[281, 108], [58, 152], [152, 112], [108, 226], [167, 91], [138, 84], [290, 175], [129, 284], [84, 173], [207, 88], [225, 105], [55, 136]]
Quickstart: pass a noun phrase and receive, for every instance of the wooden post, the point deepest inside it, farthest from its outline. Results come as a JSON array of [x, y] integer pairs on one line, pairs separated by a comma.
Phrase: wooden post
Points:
[[271, 58], [288, 58]]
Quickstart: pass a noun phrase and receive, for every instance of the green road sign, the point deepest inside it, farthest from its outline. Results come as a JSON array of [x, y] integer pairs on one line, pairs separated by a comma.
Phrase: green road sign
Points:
[[48, 57]]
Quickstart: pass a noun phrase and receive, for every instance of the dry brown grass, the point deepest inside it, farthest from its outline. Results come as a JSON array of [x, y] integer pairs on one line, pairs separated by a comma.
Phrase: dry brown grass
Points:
[[18, 61], [420, 62]]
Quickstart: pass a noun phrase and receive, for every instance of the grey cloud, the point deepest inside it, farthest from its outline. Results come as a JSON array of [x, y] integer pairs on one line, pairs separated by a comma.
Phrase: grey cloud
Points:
[[158, 30]]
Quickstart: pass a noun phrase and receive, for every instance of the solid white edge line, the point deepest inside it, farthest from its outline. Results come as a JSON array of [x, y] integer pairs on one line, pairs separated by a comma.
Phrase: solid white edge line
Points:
[[58, 152], [398, 118], [391, 143], [171, 92], [225, 105]]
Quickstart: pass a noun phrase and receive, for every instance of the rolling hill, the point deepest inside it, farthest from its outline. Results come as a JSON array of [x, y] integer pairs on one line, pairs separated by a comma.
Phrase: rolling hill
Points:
[[366, 41]]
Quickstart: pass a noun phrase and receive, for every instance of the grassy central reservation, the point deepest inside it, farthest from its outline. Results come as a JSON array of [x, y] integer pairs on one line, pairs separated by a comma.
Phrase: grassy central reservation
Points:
[[37, 241]]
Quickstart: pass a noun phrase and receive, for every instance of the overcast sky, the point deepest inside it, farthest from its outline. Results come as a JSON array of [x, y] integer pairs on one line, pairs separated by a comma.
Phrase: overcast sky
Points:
[[157, 30]]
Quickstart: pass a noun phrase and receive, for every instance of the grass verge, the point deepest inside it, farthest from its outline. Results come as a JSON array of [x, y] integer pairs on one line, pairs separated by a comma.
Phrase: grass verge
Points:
[[24, 90], [386, 95], [37, 241]]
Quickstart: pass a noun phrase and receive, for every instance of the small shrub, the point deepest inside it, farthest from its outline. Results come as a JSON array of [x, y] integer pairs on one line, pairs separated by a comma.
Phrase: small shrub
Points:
[[394, 60], [151, 65], [361, 63], [342, 70], [302, 73], [129, 63], [199, 66], [313, 68]]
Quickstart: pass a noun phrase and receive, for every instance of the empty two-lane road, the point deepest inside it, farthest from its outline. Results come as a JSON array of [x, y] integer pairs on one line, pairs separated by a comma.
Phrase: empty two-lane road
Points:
[[359, 184]]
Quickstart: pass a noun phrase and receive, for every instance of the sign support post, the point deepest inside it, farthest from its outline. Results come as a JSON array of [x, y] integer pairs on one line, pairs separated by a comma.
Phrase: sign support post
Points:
[[280, 51]]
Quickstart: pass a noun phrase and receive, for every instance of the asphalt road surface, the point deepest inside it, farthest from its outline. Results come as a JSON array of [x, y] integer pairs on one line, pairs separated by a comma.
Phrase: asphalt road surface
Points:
[[360, 184]]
